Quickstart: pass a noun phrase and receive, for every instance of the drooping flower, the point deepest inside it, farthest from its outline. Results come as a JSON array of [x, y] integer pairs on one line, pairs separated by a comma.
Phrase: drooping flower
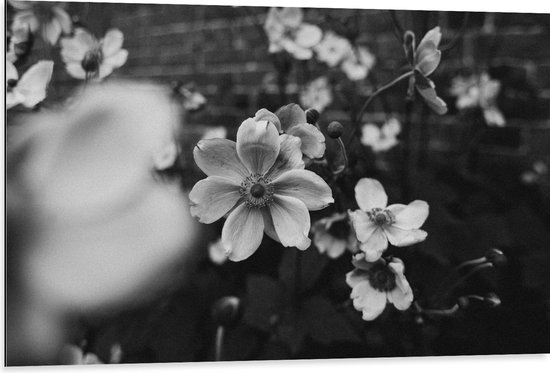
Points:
[[376, 223], [375, 284], [31, 88], [87, 58], [381, 139], [423, 60], [291, 119], [51, 19], [479, 91], [333, 49], [358, 63], [317, 94], [286, 31], [333, 235], [261, 183]]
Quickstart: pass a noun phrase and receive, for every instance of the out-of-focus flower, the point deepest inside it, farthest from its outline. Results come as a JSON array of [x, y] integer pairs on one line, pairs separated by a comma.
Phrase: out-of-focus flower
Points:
[[218, 132], [317, 94], [424, 59], [333, 235], [31, 88], [537, 172], [20, 43], [358, 63], [261, 183], [286, 31], [333, 49], [376, 223], [216, 252], [50, 18], [376, 284], [291, 119], [193, 100], [479, 91], [381, 139], [87, 58], [74, 355]]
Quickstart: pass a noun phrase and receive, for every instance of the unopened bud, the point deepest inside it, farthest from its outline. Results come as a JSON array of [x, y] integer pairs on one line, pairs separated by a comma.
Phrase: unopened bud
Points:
[[492, 300], [227, 311], [496, 257], [312, 116], [335, 129], [463, 302]]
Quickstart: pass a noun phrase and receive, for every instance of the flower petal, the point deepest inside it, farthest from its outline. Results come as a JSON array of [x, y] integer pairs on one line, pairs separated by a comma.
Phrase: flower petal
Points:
[[290, 16], [212, 198], [218, 157], [289, 158], [112, 42], [264, 114], [402, 296], [432, 36], [72, 50], [51, 31], [363, 226], [242, 232], [428, 60], [368, 300], [269, 228], [291, 220], [32, 85], [404, 237], [116, 60], [375, 245], [63, 18], [432, 100], [411, 216], [370, 194], [290, 115], [76, 71], [85, 38], [307, 36], [11, 72], [356, 276], [258, 145], [313, 141], [306, 186]]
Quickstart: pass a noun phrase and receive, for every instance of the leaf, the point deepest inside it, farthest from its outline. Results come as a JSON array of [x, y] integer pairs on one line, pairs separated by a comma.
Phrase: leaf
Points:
[[264, 302], [312, 265]]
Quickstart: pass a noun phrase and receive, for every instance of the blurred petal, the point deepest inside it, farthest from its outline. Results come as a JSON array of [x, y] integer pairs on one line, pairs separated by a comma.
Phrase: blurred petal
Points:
[[313, 141], [218, 157], [412, 216], [63, 18], [428, 60], [242, 232], [32, 85], [290, 115], [72, 50], [116, 60], [494, 117], [363, 226], [291, 16], [112, 42], [11, 71], [51, 31], [291, 220], [258, 145], [76, 71], [433, 36], [432, 100], [370, 194], [85, 38], [212, 198], [368, 300], [289, 158], [306, 186], [307, 36]]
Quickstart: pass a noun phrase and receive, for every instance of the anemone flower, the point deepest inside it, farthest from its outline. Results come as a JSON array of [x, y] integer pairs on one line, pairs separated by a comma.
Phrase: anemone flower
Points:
[[376, 284], [333, 49], [423, 60], [31, 88], [260, 182], [334, 235], [291, 119], [358, 63], [87, 58], [317, 94], [51, 19], [286, 31], [376, 223]]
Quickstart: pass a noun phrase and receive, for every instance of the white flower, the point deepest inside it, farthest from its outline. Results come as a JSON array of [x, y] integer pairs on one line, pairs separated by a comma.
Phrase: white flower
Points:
[[333, 49], [317, 94], [333, 235], [376, 284], [376, 223], [87, 58], [31, 88], [381, 139], [358, 63]]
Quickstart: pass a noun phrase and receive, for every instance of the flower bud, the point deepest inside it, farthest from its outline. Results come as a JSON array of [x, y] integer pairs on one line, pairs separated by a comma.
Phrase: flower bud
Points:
[[463, 302], [335, 129], [227, 311], [312, 116], [496, 257], [492, 300]]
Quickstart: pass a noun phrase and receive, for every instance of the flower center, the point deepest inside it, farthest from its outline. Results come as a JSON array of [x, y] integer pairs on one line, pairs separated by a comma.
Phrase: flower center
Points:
[[380, 216], [92, 60], [382, 278], [257, 191]]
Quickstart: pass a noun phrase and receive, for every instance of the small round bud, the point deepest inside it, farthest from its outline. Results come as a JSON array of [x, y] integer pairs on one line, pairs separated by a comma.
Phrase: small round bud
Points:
[[312, 116], [496, 257], [226, 311], [463, 302], [492, 300], [335, 129]]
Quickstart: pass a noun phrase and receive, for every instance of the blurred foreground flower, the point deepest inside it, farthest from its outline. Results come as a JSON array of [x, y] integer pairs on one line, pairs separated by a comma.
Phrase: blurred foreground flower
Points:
[[317, 94], [31, 88], [376, 284], [286, 30], [333, 49], [358, 63], [424, 59], [291, 119], [333, 235], [261, 183], [479, 91], [381, 139], [50, 18], [376, 223], [87, 58]]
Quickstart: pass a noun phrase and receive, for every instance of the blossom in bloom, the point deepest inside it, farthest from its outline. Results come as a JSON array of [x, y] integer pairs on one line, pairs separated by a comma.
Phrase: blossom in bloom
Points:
[[87, 58], [479, 91], [51, 19], [286, 31], [358, 63], [261, 183], [31, 88], [381, 139], [333, 49], [424, 59], [216, 252], [291, 119], [376, 223], [317, 94], [375, 284], [333, 235]]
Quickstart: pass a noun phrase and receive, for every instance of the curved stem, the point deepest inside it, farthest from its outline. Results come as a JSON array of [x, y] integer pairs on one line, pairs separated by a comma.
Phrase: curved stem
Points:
[[344, 155], [219, 342]]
